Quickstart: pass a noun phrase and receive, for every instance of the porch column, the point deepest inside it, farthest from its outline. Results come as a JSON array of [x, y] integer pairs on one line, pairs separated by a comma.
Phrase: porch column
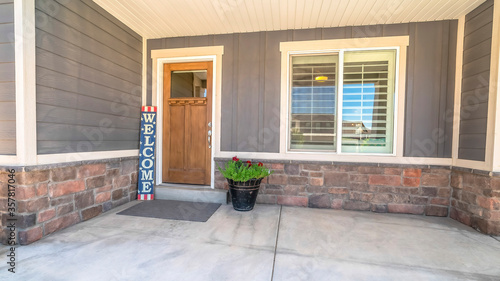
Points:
[[24, 26]]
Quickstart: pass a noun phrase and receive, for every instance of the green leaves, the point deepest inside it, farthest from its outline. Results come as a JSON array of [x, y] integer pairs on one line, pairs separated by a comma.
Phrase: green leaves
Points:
[[239, 171]]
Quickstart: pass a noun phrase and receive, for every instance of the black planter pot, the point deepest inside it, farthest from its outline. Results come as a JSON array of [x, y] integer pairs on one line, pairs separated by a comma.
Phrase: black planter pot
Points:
[[244, 194]]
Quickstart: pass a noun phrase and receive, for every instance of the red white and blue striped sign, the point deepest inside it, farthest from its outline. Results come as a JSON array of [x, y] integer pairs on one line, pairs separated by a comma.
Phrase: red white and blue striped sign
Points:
[[145, 189]]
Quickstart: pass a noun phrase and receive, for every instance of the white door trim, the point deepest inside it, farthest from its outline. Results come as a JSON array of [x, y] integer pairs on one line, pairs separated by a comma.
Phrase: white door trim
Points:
[[182, 55]]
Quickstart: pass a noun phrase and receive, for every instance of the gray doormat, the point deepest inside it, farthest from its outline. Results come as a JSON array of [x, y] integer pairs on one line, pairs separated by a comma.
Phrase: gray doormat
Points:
[[172, 210]]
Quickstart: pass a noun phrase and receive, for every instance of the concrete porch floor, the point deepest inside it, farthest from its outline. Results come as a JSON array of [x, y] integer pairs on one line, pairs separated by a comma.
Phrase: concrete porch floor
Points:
[[269, 243]]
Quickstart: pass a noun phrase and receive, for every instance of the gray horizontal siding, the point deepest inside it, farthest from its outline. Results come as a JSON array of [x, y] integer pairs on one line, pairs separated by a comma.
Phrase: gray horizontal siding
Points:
[[251, 68], [7, 80], [475, 82], [88, 72]]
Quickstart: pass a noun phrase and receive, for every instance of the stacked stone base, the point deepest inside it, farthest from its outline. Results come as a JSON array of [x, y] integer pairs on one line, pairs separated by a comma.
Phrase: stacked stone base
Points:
[[476, 200], [384, 188], [50, 198], [377, 188]]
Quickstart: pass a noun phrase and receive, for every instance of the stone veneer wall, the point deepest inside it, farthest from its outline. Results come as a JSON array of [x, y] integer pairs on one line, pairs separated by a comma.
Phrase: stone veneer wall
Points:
[[354, 186], [53, 197], [476, 199]]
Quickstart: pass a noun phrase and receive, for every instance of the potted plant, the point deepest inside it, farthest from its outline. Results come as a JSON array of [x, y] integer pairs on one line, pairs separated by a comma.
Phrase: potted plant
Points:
[[244, 182]]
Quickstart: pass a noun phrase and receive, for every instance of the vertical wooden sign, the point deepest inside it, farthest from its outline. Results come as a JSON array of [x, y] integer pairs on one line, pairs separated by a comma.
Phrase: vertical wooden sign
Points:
[[145, 190]]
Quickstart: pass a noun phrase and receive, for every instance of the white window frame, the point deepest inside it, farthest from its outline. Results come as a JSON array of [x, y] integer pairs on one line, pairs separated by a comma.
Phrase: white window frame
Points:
[[398, 43]]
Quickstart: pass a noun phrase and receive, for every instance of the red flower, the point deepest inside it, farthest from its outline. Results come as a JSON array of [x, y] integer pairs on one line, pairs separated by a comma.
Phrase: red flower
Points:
[[235, 158], [260, 164], [249, 163]]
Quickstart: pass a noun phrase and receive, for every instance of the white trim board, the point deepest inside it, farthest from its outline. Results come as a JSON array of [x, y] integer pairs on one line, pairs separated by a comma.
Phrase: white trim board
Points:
[[84, 156], [493, 129], [196, 54], [25, 67]]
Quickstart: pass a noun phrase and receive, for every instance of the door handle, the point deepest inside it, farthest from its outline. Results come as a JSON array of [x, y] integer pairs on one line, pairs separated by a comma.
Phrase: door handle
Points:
[[209, 138]]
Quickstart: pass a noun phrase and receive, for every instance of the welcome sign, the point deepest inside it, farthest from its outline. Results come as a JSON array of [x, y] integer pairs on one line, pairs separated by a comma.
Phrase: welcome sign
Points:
[[147, 153]]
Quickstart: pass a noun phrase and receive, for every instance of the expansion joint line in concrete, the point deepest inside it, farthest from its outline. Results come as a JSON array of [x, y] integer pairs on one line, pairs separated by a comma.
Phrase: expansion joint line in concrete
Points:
[[276, 244]]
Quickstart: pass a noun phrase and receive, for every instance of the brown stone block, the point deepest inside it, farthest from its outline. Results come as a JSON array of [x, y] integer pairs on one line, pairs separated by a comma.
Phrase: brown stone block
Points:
[[406, 190], [267, 199], [311, 167], [292, 169], [393, 171], [337, 204], [33, 205], [456, 180], [483, 182], [60, 223], [412, 173], [360, 196], [121, 181], [277, 179], [63, 174], [134, 180], [46, 215], [419, 200], [104, 188], [84, 199], [435, 180], [91, 212], [413, 182], [338, 190], [33, 177], [457, 194], [358, 178], [61, 200], [65, 188], [475, 210], [491, 215], [429, 191], [24, 192], [400, 198], [437, 211], [297, 180], [440, 201], [460, 216], [320, 201], [486, 226], [495, 183], [379, 208], [363, 186], [383, 198], [370, 170], [336, 179], [386, 180], [469, 198], [64, 209], [277, 166], [293, 200], [129, 166], [488, 203], [405, 209], [95, 182], [102, 197], [304, 174], [31, 235], [444, 192], [357, 205], [316, 181], [293, 189], [110, 175], [91, 170], [42, 189], [117, 194], [468, 179], [22, 220], [316, 174]]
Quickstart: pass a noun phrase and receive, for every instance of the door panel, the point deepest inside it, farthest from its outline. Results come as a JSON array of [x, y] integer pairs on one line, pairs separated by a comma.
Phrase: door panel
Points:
[[187, 104]]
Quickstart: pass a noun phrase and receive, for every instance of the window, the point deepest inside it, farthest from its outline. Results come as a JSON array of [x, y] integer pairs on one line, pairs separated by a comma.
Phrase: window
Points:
[[343, 101]]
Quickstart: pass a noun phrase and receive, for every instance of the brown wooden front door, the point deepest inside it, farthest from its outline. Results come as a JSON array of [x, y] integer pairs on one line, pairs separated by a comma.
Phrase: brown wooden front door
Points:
[[187, 119]]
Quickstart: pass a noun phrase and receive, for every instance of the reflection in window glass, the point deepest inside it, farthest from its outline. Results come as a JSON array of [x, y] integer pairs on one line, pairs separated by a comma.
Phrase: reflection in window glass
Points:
[[313, 101], [188, 84], [368, 101]]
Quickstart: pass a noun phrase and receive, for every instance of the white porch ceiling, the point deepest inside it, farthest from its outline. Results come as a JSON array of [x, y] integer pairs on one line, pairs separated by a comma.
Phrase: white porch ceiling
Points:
[[173, 18]]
